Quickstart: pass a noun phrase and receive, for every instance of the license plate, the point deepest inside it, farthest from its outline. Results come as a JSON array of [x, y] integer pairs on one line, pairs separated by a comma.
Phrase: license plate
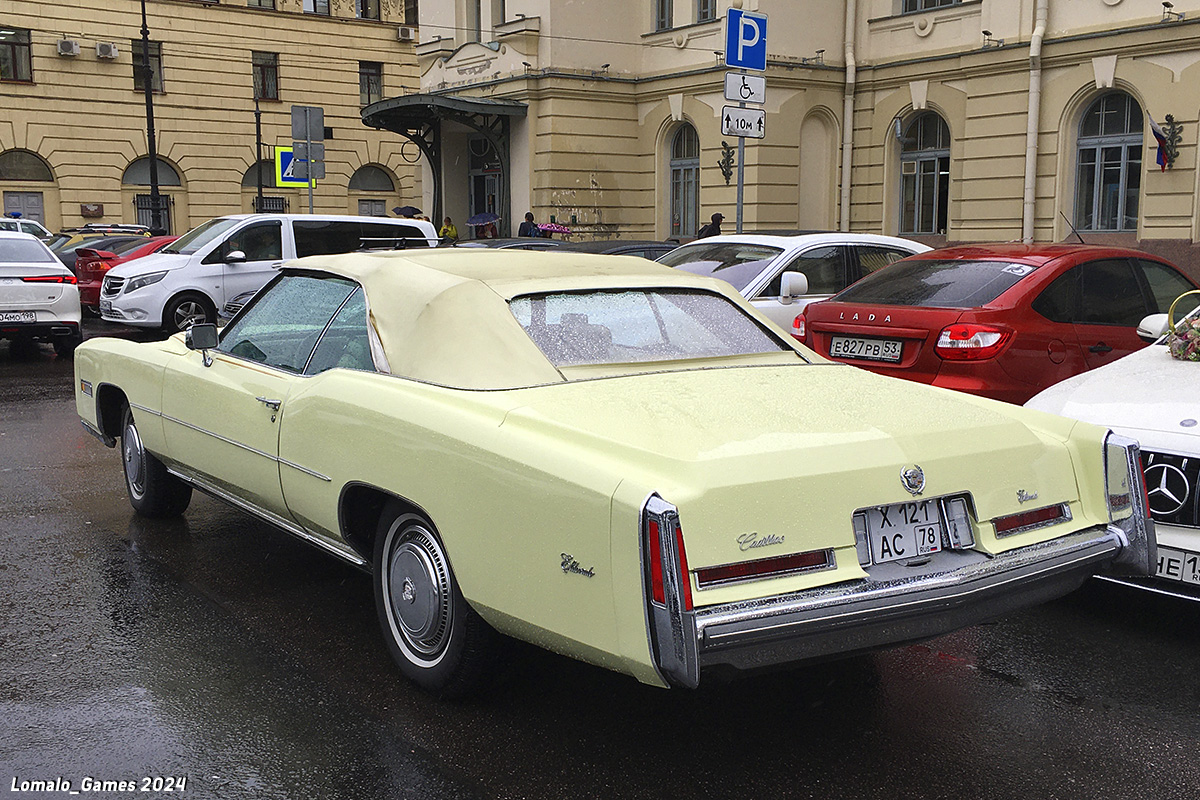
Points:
[[1178, 565], [105, 306], [18, 316], [904, 530], [870, 349]]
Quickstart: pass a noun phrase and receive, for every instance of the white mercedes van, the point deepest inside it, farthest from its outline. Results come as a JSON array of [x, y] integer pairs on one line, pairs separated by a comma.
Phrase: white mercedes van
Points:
[[187, 281]]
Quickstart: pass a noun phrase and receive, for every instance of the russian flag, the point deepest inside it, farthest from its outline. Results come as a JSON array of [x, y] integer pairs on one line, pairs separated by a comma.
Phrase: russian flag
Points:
[[1161, 137]]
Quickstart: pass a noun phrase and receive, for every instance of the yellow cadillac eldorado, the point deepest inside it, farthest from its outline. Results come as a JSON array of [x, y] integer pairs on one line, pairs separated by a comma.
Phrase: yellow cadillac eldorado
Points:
[[610, 459]]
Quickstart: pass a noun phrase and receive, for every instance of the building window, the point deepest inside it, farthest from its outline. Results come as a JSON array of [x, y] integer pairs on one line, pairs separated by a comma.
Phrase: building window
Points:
[[925, 175], [266, 75], [367, 9], [15, 62], [22, 165], [369, 178], [139, 74], [685, 182], [926, 5], [1109, 172], [370, 82], [411, 14], [662, 14], [260, 3], [706, 10], [316, 7]]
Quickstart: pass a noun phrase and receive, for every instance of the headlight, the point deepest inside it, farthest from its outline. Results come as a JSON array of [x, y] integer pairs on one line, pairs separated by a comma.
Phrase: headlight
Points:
[[144, 280]]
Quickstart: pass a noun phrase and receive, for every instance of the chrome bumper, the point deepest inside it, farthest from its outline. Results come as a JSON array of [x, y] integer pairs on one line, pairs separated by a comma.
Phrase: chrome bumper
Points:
[[870, 614]]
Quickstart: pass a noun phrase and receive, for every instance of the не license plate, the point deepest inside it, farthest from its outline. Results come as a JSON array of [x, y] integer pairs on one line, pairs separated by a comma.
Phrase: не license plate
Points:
[[18, 316], [871, 349], [1178, 565], [904, 530]]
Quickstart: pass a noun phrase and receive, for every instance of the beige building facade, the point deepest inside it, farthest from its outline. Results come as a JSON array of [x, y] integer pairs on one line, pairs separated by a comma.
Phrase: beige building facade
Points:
[[73, 130], [945, 121]]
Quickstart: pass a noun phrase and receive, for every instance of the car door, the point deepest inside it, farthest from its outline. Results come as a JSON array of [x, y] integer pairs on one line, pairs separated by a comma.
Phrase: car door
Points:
[[825, 268], [262, 243], [1111, 304], [221, 420]]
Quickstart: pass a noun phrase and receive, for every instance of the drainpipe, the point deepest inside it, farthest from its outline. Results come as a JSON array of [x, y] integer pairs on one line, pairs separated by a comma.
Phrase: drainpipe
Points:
[[1034, 118], [848, 111]]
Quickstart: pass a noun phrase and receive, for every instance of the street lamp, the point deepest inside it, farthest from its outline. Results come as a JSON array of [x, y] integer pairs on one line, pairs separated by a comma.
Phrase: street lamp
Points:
[[156, 225]]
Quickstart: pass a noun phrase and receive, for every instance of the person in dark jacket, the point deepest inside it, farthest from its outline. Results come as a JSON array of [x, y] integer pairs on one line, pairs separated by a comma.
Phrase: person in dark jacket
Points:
[[529, 227], [713, 228]]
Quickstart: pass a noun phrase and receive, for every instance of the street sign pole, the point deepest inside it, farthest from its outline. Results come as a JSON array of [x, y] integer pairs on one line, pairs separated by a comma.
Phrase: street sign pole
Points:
[[741, 172], [745, 49], [309, 154]]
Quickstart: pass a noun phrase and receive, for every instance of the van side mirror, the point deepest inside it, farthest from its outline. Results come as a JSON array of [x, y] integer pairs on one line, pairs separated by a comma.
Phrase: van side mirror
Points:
[[235, 257], [792, 285], [1151, 328]]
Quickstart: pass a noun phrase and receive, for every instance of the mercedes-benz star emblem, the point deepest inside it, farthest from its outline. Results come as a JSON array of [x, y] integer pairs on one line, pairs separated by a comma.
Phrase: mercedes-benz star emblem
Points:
[[1167, 488], [913, 479]]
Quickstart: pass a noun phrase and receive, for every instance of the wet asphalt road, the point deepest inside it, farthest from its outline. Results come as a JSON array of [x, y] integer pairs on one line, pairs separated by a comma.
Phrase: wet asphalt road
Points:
[[215, 649]]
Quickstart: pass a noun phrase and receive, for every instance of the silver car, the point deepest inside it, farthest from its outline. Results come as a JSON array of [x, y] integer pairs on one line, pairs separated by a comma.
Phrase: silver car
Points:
[[39, 298]]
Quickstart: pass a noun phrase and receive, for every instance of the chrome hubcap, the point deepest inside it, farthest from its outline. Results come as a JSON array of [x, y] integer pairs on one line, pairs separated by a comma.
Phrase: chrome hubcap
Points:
[[419, 591], [134, 457]]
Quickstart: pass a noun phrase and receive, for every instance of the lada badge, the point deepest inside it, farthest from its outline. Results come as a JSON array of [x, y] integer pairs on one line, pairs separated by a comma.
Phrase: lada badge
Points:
[[913, 479]]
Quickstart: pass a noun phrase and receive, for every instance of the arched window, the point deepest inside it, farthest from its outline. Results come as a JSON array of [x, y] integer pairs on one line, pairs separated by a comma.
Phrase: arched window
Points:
[[685, 181], [250, 179], [925, 175], [1109, 170], [370, 178], [138, 174], [22, 165]]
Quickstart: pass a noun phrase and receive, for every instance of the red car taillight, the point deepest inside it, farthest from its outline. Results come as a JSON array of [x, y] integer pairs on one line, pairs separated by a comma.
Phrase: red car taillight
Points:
[[657, 581], [1031, 520], [50, 279], [764, 568], [969, 341], [798, 327]]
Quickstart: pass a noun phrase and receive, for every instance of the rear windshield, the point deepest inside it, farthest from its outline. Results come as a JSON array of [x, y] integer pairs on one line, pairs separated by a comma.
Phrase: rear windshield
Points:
[[25, 251], [733, 262], [620, 327], [936, 284]]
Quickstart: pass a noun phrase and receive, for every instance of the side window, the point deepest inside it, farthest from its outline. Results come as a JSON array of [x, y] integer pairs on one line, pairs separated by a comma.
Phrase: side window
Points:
[[282, 326], [823, 266], [1109, 293], [388, 235], [345, 342], [319, 237], [1057, 301], [260, 242], [872, 258], [1165, 284]]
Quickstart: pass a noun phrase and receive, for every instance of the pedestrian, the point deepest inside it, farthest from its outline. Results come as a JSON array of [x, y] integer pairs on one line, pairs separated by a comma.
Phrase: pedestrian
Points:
[[448, 230], [488, 231], [529, 227], [713, 228]]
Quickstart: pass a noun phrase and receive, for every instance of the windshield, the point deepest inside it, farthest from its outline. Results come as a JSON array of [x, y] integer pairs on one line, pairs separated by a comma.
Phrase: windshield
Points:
[[199, 237], [736, 263], [614, 327], [936, 284], [24, 251]]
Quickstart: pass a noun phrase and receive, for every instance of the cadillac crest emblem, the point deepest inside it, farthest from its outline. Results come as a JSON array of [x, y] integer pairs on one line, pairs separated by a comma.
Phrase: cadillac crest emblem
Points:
[[913, 479]]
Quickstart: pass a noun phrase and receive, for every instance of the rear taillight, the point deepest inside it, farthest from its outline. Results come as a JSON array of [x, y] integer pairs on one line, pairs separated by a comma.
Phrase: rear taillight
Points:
[[668, 526], [50, 279], [1032, 520], [759, 569], [969, 341], [668, 588], [798, 327]]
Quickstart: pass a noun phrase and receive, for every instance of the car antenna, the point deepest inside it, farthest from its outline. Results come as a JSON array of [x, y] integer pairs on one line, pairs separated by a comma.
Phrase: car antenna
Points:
[[1077, 236]]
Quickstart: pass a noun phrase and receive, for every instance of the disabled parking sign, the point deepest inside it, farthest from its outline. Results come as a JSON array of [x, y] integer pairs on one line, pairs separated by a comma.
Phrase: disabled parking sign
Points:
[[746, 40]]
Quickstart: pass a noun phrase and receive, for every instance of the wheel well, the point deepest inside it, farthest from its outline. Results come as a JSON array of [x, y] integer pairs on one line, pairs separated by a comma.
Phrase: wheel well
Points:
[[110, 406], [359, 510], [199, 295]]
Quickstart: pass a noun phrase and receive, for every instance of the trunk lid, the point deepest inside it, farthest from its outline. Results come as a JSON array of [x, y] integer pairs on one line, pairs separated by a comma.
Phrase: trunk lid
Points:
[[915, 329]]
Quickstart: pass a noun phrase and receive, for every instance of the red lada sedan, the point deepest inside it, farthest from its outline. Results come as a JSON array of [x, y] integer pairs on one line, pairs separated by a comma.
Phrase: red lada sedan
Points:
[[1000, 320], [92, 264]]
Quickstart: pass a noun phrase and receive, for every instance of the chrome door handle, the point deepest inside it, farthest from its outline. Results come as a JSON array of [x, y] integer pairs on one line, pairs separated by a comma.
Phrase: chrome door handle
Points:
[[271, 404]]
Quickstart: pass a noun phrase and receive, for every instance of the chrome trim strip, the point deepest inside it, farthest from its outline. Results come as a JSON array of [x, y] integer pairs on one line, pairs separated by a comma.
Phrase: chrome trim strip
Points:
[[248, 448], [341, 551], [1140, 554], [147, 410], [1133, 583]]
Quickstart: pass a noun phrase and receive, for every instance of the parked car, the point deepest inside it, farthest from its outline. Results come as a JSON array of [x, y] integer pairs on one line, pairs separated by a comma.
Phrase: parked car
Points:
[[643, 248], [30, 226], [623, 463], [39, 301], [71, 236], [1150, 396], [92, 263], [511, 243], [69, 253], [782, 274], [187, 281], [1001, 320]]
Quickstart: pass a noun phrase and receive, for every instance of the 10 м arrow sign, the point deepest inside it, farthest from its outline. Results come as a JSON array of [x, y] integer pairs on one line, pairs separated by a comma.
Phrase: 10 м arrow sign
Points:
[[743, 121]]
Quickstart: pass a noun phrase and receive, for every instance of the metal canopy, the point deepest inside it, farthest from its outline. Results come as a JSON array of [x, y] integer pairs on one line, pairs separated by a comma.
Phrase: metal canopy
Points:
[[419, 117]]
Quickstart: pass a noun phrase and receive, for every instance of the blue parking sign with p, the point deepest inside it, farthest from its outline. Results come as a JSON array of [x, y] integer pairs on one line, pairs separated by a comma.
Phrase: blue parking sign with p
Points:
[[746, 40]]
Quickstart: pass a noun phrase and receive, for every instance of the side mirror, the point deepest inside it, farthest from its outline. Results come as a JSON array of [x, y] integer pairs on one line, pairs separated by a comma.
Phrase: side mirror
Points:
[[792, 285], [235, 257], [203, 337], [1152, 328]]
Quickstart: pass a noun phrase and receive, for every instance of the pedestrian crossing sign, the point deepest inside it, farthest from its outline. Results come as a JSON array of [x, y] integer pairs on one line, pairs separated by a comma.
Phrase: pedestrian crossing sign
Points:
[[285, 163]]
